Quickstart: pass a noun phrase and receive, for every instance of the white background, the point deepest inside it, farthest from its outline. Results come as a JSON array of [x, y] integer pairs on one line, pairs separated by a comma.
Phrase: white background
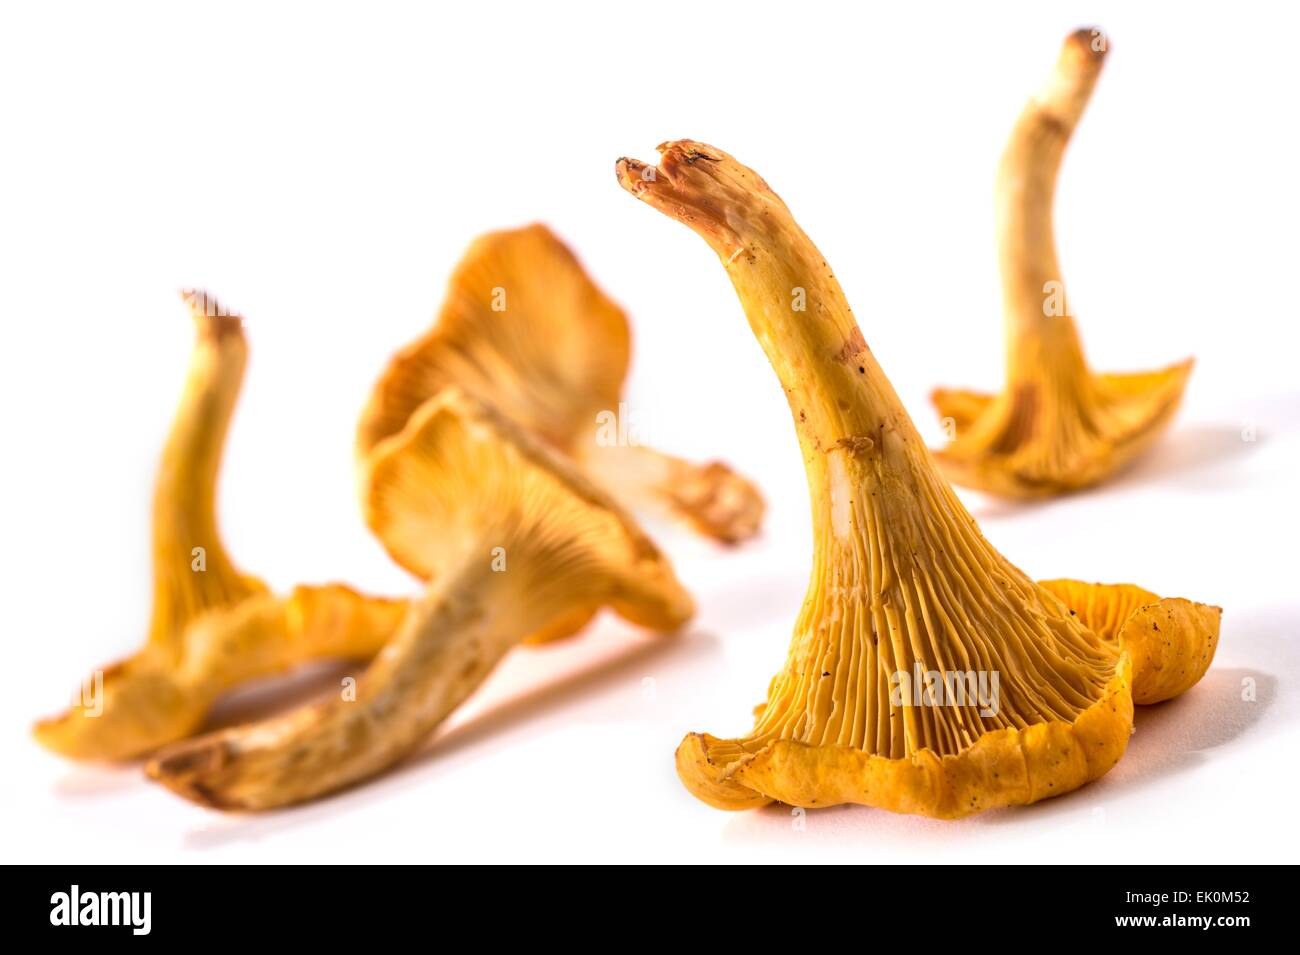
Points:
[[321, 169]]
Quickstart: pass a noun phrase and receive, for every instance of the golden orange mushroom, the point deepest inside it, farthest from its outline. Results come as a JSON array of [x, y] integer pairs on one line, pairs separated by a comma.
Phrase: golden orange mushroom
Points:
[[1056, 426], [524, 328], [212, 627], [513, 539], [927, 674]]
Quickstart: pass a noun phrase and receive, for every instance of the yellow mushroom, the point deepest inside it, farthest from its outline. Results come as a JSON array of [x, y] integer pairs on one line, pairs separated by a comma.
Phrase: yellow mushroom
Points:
[[524, 328], [212, 627], [513, 539], [927, 674], [1057, 426]]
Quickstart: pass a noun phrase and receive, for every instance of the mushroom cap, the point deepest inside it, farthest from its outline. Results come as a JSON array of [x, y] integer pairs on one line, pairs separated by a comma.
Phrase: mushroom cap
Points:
[[461, 475], [1035, 441], [523, 327], [1170, 641], [1006, 767], [149, 699], [1166, 644], [143, 707]]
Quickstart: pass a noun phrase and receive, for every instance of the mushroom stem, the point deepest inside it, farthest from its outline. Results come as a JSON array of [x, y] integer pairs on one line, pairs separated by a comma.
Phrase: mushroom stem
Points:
[[712, 497], [844, 407], [450, 640], [1025, 194], [192, 571]]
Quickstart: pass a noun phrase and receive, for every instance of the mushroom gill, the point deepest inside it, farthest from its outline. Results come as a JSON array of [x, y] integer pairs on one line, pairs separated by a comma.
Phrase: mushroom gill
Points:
[[927, 674], [1056, 426], [524, 328], [513, 539]]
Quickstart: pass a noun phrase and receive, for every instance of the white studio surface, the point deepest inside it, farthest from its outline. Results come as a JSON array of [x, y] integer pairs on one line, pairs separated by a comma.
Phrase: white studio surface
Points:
[[322, 170]]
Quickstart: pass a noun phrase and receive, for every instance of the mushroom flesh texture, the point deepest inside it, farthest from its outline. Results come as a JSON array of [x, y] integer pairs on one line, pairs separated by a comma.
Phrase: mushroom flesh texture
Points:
[[512, 538], [1056, 426], [524, 328], [927, 674], [212, 627]]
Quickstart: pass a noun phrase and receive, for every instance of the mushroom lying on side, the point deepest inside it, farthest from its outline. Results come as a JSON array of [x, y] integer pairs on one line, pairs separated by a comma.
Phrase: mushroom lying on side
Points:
[[1057, 426], [212, 627], [927, 674], [513, 539], [524, 328]]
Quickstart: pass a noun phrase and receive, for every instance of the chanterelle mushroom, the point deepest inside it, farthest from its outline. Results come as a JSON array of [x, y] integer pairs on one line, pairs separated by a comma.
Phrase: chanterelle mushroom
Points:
[[513, 539], [927, 674], [1057, 426], [212, 627], [524, 328]]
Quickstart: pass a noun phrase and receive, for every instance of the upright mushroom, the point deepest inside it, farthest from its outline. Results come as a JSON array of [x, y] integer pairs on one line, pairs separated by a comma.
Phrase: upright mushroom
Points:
[[212, 627], [1057, 426], [927, 674], [513, 539], [524, 328]]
